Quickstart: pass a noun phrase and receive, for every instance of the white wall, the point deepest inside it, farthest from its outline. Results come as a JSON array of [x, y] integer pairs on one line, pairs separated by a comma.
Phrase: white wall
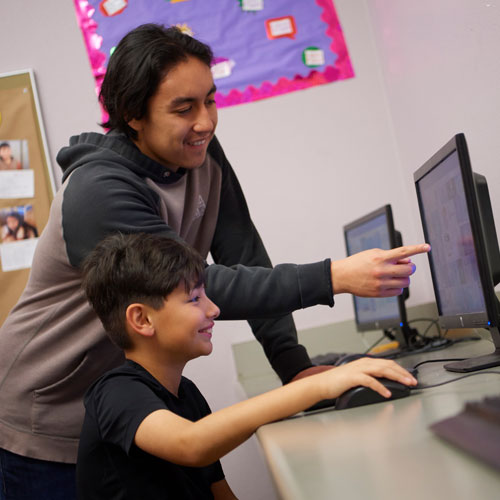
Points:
[[312, 160], [441, 72]]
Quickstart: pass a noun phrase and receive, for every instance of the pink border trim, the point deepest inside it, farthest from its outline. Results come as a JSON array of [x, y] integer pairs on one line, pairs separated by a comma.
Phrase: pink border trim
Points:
[[93, 41]]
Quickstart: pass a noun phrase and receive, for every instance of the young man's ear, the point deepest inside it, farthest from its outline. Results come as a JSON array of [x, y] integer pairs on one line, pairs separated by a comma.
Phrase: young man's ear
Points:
[[135, 124], [139, 319]]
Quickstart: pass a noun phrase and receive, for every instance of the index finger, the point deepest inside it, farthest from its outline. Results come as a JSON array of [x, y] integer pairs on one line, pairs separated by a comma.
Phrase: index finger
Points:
[[407, 251]]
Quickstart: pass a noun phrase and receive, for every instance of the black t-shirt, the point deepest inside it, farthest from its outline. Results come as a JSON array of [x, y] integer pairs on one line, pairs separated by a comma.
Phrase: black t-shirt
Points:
[[110, 466]]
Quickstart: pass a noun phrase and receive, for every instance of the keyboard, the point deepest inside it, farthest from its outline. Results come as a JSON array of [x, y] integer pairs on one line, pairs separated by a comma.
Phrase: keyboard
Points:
[[476, 430]]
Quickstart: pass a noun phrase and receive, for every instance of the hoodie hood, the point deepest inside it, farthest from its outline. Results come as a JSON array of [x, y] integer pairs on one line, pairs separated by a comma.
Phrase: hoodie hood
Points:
[[116, 148]]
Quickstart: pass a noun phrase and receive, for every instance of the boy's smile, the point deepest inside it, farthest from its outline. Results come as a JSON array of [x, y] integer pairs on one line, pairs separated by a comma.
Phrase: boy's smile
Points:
[[183, 326], [181, 117]]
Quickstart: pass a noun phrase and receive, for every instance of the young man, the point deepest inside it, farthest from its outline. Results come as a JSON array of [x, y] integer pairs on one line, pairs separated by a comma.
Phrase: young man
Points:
[[159, 170], [148, 432]]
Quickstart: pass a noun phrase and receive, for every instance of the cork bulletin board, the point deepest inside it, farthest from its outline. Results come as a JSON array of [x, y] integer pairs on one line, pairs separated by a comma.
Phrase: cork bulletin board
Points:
[[26, 183]]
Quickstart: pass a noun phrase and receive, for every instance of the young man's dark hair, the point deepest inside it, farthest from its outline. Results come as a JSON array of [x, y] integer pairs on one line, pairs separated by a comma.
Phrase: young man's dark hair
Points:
[[132, 268], [138, 65]]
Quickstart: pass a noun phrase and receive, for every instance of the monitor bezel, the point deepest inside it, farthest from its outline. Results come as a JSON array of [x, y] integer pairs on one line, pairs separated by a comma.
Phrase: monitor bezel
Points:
[[490, 318], [387, 323]]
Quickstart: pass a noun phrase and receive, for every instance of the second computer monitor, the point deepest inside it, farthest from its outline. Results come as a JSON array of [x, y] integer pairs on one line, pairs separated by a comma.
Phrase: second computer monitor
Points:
[[376, 230]]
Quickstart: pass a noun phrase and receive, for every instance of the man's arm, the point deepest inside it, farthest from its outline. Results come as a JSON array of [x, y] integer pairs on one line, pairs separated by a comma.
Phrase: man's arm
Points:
[[201, 443]]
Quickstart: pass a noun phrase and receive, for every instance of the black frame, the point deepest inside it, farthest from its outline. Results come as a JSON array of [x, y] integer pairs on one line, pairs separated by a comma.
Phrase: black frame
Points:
[[471, 182]]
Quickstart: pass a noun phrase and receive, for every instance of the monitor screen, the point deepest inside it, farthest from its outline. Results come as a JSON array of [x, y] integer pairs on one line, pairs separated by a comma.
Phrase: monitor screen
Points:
[[458, 224], [375, 230], [454, 260]]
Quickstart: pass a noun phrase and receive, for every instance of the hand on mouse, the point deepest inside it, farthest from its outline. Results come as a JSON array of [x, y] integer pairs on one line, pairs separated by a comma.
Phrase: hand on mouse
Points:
[[365, 372]]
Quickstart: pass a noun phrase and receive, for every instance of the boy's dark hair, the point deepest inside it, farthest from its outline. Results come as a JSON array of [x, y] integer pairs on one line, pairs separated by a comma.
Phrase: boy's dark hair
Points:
[[144, 268], [138, 65]]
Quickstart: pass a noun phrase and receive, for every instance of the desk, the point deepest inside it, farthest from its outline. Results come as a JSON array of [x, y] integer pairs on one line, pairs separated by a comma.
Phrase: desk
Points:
[[385, 451]]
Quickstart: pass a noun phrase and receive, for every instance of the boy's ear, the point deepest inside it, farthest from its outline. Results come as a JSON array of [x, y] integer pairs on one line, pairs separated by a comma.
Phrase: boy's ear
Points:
[[139, 319]]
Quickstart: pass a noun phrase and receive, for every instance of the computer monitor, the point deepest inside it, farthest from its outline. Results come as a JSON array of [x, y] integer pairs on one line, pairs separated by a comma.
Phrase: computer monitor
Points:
[[457, 220], [376, 230]]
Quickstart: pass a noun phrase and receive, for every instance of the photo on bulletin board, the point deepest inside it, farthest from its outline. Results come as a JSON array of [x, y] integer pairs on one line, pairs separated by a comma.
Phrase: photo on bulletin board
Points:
[[18, 235], [14, 155], [17, 224], [26, 183]]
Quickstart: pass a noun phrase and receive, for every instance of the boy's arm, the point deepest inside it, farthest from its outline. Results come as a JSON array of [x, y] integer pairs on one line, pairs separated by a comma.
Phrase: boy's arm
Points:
[[203, 442]]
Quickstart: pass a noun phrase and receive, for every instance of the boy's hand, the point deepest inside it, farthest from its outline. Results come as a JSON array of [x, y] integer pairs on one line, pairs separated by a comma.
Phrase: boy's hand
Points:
[[363, 371], [375, 272]]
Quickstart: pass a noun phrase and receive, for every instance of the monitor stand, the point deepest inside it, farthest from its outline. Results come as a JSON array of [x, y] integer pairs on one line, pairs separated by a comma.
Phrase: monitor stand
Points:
[[479, 362], [406, 336], [410, 343]]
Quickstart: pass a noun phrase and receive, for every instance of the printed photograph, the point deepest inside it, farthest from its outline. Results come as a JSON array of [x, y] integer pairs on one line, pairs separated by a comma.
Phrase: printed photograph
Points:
[[14, 155], [17, 223]]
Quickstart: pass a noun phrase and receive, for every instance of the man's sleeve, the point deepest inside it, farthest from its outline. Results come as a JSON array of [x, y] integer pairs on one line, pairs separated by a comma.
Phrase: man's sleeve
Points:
[[287, 288]]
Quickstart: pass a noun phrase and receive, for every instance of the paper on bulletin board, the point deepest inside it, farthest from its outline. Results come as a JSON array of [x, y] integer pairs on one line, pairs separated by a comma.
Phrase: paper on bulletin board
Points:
[[17, 255], [262, 48], [17, 184]]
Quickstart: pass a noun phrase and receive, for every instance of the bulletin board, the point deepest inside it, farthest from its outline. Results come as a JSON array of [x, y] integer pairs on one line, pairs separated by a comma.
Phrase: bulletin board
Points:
[[262, 48], [26, 183]]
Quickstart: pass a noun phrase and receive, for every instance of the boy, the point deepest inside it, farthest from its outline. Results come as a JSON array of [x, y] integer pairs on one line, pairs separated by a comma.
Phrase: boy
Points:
[[148, 432]]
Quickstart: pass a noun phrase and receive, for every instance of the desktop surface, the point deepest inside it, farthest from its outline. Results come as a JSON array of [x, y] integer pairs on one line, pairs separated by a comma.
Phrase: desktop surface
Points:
[[386, 450]]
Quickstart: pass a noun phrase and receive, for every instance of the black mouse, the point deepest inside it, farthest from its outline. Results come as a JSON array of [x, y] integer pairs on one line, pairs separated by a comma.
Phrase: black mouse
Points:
[[360, 395]]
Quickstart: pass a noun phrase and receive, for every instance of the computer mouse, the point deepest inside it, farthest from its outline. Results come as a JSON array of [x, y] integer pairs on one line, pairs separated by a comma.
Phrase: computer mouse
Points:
[[360, 395]]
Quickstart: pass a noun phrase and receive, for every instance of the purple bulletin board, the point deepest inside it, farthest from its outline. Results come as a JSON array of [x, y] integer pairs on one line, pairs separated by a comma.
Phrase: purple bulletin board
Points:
[[262, 48]]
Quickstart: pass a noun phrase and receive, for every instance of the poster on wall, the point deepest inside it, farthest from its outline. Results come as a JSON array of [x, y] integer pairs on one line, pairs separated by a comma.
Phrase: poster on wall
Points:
[[26, 183], [262, 48]]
